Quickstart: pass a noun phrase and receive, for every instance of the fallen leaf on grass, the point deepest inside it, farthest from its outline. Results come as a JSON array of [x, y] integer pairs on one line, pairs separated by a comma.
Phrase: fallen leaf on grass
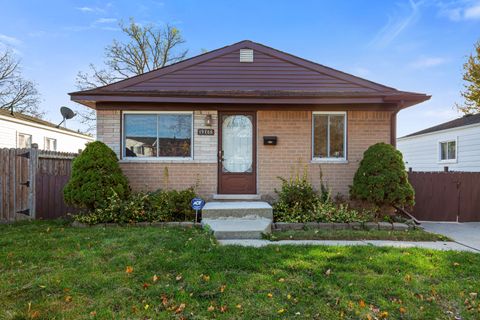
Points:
[[281, 280], [68, 299], [328, 272], [402, 310], [281, 311], [269, 295], [473, 295], [361, 303], [146, 285], [238, 306], [211, 308], [205, 277], [456, 264], [129, 269], [93, 313], [164, 300], [222, 288], [223, 309], [179, 277], [180, 308], [408, 278], [384, 315], [155, 278], [146, 307], [35, 314]]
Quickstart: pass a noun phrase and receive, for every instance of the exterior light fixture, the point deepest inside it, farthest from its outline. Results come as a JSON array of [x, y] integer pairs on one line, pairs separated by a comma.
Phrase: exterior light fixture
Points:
[[208, 120]]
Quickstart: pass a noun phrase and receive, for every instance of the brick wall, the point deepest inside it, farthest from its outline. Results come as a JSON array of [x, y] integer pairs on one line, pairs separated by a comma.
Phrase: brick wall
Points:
[[291, 154], [108, 129]]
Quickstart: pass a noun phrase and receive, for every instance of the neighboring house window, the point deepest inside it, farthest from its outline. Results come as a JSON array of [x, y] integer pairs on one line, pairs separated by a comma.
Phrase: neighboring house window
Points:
[[24, 140], [329, 135], [159, 135], [448, 150], [50, 144]]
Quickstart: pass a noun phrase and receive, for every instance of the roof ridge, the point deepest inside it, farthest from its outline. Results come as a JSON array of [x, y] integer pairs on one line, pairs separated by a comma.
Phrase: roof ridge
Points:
[[204, 57]]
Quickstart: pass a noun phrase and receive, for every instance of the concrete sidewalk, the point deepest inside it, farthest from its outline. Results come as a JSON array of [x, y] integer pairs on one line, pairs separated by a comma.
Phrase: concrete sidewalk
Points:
[[436, 245]]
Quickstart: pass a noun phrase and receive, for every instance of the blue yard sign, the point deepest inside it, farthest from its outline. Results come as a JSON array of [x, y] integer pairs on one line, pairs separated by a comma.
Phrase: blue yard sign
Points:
[[197, 203]]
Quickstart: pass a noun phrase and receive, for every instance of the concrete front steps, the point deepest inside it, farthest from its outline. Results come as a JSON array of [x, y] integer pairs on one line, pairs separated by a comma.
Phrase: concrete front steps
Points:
[[238, 219]]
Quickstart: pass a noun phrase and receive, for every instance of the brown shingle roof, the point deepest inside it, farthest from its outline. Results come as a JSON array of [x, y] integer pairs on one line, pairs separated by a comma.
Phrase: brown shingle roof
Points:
[[219, 77], [24, 117], [460, 122]]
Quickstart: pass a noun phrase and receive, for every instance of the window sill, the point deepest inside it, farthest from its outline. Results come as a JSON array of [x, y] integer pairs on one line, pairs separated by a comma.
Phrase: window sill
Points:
[[157, 160], [447, 161], [329, 161]]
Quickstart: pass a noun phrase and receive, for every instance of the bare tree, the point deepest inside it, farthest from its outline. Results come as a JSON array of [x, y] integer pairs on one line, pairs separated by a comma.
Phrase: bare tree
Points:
[[17, 93], [145, 49]]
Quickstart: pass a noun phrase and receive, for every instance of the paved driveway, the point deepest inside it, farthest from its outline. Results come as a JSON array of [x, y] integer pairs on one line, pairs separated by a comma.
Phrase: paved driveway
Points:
[[466, 233]]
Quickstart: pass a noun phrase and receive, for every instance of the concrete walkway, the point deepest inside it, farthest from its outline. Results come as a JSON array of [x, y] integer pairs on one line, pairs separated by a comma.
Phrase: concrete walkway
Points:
[[465, 233], [437, 245]]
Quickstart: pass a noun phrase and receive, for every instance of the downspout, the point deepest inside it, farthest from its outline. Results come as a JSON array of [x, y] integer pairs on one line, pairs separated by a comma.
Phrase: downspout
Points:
[[393, 123]]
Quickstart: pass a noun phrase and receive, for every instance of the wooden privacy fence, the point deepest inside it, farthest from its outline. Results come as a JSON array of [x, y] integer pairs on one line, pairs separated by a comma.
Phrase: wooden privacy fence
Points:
[[31, 183], [446, 196]]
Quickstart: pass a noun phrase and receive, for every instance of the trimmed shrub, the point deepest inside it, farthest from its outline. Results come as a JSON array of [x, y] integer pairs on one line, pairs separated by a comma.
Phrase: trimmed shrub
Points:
[[299, 202], [158, 206], [381, 178], [296, 199], [172, 205], [96, 176]]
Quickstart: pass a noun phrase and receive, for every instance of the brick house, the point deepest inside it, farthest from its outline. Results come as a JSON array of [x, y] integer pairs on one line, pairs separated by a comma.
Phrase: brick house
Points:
[[234, 119]]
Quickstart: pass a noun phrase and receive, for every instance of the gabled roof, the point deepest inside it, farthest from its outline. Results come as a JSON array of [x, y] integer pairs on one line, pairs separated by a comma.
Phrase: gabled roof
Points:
[[219, 76], [466, 120], [27, 118]]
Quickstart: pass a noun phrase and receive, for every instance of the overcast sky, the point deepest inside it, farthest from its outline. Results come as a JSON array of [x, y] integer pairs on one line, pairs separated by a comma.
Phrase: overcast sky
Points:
[[410, 45]]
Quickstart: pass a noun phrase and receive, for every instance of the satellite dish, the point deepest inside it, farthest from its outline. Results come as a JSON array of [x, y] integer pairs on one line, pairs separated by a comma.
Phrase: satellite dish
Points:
[[67, 114]]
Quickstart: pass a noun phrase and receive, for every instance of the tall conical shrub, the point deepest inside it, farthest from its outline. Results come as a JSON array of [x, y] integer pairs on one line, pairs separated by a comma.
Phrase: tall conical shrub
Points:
[[381, 178], [96, 175]]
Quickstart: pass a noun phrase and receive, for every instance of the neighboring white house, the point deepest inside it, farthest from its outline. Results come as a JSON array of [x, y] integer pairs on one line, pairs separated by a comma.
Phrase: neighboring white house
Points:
[[20, 131], [454, 144]]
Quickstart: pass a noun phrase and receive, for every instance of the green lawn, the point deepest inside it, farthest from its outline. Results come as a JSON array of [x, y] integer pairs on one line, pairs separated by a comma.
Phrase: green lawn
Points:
[[311, 234], [52, 271]]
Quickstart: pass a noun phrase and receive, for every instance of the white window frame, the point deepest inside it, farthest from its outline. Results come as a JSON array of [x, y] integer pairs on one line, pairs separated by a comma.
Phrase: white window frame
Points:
[[439, 150], [45, 142], [345, 151], [122, 144], [25, 134]]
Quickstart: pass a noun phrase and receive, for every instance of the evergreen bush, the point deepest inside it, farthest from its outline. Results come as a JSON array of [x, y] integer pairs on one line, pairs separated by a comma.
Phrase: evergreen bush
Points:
[[381, 178], [96, 176]]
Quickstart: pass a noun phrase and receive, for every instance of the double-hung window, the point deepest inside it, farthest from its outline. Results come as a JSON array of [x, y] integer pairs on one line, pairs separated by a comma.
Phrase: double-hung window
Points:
[[50, 144], [329, 136], [448, 151], [24, 140], [158, 135]]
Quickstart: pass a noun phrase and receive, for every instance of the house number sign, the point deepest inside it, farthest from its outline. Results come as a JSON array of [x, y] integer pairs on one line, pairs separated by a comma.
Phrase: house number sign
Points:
[[206, 132]]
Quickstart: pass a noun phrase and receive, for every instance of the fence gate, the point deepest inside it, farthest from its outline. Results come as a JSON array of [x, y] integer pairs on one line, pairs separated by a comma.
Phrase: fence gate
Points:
[[53, 172], [17, 183], [446, 196], [31, 184]]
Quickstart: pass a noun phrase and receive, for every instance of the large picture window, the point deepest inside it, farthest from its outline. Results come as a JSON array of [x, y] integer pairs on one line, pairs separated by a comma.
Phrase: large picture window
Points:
[[329, 136], [160, 135]]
